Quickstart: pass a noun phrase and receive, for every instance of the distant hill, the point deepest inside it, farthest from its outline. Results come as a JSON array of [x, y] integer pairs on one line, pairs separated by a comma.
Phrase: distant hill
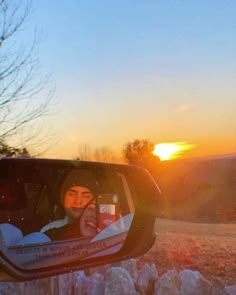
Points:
[[199, 189]]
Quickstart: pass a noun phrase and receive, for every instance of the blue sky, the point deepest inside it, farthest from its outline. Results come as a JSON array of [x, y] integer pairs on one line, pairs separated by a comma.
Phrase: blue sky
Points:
[[162, 70]]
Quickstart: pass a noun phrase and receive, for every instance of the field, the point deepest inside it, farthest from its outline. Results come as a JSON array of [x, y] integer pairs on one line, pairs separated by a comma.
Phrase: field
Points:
[[208, 248]]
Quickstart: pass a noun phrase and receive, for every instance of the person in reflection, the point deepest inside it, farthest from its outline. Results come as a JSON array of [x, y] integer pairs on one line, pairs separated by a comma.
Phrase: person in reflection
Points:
[[79, 205]]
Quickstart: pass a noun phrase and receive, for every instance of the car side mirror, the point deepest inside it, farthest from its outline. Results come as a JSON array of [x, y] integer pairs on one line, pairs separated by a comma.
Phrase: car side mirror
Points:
[[58, 216]]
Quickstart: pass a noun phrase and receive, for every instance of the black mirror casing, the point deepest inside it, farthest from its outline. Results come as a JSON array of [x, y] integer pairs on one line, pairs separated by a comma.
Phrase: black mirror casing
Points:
[[141, 201]]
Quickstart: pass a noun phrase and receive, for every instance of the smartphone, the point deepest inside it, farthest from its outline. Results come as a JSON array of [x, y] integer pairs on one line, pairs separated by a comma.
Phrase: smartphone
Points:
[[107, 209]]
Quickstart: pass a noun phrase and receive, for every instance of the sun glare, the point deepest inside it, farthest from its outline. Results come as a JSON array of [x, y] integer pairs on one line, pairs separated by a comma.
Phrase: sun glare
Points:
[[171, 150]]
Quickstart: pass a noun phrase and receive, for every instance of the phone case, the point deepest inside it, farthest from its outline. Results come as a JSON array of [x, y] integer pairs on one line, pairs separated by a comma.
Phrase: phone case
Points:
[[107, 210]]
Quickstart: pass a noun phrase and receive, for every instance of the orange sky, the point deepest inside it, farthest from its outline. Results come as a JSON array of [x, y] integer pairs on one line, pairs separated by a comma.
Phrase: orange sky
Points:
[[157, 70], [210, 146], [217, 145], [201, 147]]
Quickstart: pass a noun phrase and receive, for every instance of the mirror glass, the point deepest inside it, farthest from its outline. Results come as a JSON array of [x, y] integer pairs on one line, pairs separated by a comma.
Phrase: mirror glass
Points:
[[52, 214]]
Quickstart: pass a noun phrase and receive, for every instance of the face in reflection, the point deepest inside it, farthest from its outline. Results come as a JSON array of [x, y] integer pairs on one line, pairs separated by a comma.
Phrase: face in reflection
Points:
[[75, 201], [88, 226]]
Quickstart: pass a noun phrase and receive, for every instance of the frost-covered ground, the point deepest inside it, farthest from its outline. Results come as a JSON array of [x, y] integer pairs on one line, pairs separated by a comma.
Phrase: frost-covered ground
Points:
[[187, 258], [208, 248]]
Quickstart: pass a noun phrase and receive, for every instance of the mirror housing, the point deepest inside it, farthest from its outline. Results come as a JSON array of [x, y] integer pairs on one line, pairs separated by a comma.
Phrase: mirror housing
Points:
[[30, 197]]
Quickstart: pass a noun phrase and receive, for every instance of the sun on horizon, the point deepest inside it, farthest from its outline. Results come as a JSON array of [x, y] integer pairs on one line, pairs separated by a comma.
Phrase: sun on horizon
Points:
[[171, 150]]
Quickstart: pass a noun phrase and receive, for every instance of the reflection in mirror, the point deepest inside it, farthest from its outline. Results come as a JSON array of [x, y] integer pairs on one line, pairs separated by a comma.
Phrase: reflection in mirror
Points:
[[59, 216]]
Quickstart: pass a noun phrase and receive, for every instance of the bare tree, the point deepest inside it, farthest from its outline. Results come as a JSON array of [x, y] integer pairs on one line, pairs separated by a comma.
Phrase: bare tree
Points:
[[101, 154], [21, 88], [8, 151], [85, 152], [105, 154]]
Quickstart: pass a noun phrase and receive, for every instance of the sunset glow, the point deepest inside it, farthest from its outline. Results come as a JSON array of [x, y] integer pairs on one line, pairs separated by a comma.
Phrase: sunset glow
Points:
[[171, 150], [165, 86]]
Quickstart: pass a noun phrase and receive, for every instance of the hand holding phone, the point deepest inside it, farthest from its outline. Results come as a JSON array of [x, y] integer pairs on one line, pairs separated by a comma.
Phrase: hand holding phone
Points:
[[107, 210]]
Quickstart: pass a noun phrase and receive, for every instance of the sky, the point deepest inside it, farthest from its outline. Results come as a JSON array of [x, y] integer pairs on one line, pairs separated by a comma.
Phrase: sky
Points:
[[161, 70]]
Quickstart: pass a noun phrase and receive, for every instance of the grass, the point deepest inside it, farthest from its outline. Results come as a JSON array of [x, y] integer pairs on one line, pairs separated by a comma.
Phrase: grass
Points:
[[208, 248]]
